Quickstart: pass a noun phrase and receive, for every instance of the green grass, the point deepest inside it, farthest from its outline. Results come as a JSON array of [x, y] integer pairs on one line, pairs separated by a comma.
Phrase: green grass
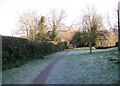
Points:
[[110, 54], [104, 62], [83, 48]]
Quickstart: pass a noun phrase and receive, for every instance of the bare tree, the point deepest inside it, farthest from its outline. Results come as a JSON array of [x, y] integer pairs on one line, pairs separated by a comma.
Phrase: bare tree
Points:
[[113, 29], [112, 25], [92, 23], [27, 23], [56, 22]]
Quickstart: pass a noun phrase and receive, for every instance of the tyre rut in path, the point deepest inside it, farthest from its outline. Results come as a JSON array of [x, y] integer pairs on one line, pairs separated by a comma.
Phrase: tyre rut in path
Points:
[[40, 79]]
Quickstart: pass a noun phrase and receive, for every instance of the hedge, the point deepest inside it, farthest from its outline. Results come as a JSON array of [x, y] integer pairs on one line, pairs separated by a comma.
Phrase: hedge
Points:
[[17, 51]]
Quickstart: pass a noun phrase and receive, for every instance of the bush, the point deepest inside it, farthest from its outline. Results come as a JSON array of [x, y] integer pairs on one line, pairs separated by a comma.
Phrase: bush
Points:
[[116, 44], [17, 51], [14, 49], [62, 45], [104, 47]]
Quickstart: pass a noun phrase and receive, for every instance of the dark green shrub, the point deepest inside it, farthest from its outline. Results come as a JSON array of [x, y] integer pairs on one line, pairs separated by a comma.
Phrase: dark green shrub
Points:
[[17, 51], [62, 46]]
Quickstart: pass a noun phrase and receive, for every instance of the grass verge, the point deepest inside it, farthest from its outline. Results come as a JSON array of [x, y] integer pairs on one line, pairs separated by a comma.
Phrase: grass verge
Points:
[[27, 72]]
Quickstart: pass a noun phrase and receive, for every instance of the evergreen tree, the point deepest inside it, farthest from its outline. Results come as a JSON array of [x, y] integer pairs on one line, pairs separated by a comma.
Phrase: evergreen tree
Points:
[[40, 30]]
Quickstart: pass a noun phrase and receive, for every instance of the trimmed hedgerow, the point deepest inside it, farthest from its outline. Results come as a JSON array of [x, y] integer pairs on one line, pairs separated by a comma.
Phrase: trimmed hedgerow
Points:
[[17, 51]]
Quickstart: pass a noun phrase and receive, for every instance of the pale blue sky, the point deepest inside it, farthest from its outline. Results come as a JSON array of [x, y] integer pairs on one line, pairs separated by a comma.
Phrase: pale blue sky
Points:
[[9, 10]]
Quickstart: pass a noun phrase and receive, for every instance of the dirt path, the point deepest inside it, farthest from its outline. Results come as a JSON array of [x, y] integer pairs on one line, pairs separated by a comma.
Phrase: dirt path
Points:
[[40, 79]]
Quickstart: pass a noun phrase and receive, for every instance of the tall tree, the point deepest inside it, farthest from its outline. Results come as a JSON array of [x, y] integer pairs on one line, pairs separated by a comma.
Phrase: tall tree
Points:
[[56, 22], [27, 23], [113, 27], [119, 31], [119, 28], [118, 14], [41, 29], [92, 23]]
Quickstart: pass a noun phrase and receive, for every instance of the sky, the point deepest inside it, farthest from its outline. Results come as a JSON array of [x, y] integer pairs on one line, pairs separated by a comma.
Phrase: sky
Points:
[[10, 10]]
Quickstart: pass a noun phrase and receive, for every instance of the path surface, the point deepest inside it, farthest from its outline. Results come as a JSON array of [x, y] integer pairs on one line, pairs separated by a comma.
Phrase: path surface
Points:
[[76, 67], [40, 79]]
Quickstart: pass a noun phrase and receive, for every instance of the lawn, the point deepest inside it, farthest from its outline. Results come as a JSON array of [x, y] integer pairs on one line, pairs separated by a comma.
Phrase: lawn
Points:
[[82, 67]]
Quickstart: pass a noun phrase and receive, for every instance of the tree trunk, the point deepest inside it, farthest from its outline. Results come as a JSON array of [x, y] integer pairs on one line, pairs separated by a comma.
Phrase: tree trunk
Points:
[[118, 34], [90, 47], [27, 34]]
